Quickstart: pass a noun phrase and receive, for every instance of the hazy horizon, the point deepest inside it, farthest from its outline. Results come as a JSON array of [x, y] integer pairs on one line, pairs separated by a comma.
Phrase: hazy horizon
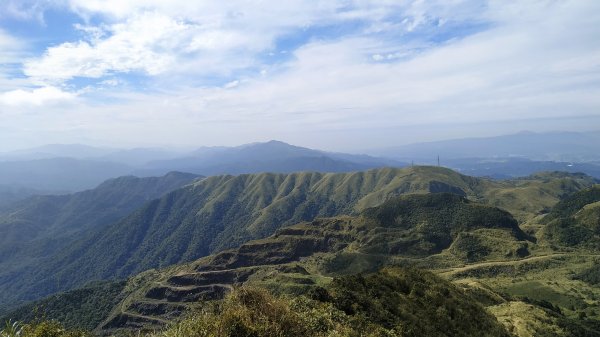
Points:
[[333, 75], [374, 151]]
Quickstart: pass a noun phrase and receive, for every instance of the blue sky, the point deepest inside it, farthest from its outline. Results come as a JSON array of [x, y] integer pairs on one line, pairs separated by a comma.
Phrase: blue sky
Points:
[[335, 74]]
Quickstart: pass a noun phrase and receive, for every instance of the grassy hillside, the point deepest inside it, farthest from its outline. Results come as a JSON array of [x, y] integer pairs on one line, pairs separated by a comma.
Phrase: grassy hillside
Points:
[[572, 204], [393, 302], [575, 221], [55, 216], [221, 212], [532, 290], [405, 227], [35, 228]]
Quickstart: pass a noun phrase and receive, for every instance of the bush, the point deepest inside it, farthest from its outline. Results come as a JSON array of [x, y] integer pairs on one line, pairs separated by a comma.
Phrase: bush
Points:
[[39, 329]]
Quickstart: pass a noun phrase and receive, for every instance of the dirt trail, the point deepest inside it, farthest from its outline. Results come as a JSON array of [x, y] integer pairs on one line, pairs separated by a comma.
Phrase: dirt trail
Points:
[[451, 271]]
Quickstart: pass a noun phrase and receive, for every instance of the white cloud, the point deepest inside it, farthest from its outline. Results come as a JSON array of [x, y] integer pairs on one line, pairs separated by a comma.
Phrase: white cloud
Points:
[[23, 9], [11, 48], [143, 43], [520, 70], [35, 97], [209, 38], [534, 60]]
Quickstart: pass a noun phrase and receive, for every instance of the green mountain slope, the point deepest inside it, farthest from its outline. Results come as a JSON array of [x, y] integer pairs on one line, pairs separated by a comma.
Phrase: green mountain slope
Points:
[[406, 227], [575, 221], [10, 194], [82, 308], [34, 228], [56, 216], [225, 211], [392, 302]]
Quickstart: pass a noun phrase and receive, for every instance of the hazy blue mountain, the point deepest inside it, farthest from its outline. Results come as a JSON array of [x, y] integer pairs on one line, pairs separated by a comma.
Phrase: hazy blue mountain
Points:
[[34, 228], [78, 151], [12, 193], [140, 156], [46, 167], [57, 216], [59, 174], [505, 168], [272, 156], [551, 146], [134, 157]]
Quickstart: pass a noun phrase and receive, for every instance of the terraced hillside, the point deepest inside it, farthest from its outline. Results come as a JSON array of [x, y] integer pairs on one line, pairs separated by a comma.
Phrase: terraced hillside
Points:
[[301, 256], [392, 302], [222, 212]]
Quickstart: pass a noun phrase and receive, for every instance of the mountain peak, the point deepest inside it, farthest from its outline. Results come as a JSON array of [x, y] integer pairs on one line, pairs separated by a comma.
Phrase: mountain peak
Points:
[[275, 141]]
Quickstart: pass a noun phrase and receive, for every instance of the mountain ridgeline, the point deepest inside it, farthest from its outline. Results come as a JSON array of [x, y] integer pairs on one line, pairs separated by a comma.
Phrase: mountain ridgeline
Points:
[[71, 168], [288, 233], [411, 226], [272, 156], [34, 229], [222, 212]]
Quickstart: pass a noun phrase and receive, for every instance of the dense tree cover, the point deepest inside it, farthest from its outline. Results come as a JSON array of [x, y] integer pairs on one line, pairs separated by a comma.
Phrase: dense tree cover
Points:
[[571, 204], [436, 220], [575, 221], [82, 308], [590, 275], [34, 229]]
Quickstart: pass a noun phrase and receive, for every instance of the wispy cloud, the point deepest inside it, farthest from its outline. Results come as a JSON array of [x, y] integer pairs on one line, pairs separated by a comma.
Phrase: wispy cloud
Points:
[[37, 97], [217, 38], [235, 71], [10, 49]]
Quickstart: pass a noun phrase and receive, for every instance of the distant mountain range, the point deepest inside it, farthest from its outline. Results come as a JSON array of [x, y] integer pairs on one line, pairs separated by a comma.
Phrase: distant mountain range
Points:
[[550, 146], [52, 169], [69, 168], [272, 156], [12, 193], [59, 175]]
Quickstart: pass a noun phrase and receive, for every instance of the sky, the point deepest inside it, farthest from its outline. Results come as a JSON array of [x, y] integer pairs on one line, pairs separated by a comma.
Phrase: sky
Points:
[[329, 74]]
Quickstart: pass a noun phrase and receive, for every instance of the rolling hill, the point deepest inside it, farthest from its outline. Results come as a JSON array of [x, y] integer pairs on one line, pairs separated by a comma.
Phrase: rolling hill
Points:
[[35, 228], [575, 220], [431, 217], [223, 212], [324, 246], [411, 226]]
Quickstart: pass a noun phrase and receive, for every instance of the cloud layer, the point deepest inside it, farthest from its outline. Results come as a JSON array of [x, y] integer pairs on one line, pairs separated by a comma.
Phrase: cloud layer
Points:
[[344, 72]]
